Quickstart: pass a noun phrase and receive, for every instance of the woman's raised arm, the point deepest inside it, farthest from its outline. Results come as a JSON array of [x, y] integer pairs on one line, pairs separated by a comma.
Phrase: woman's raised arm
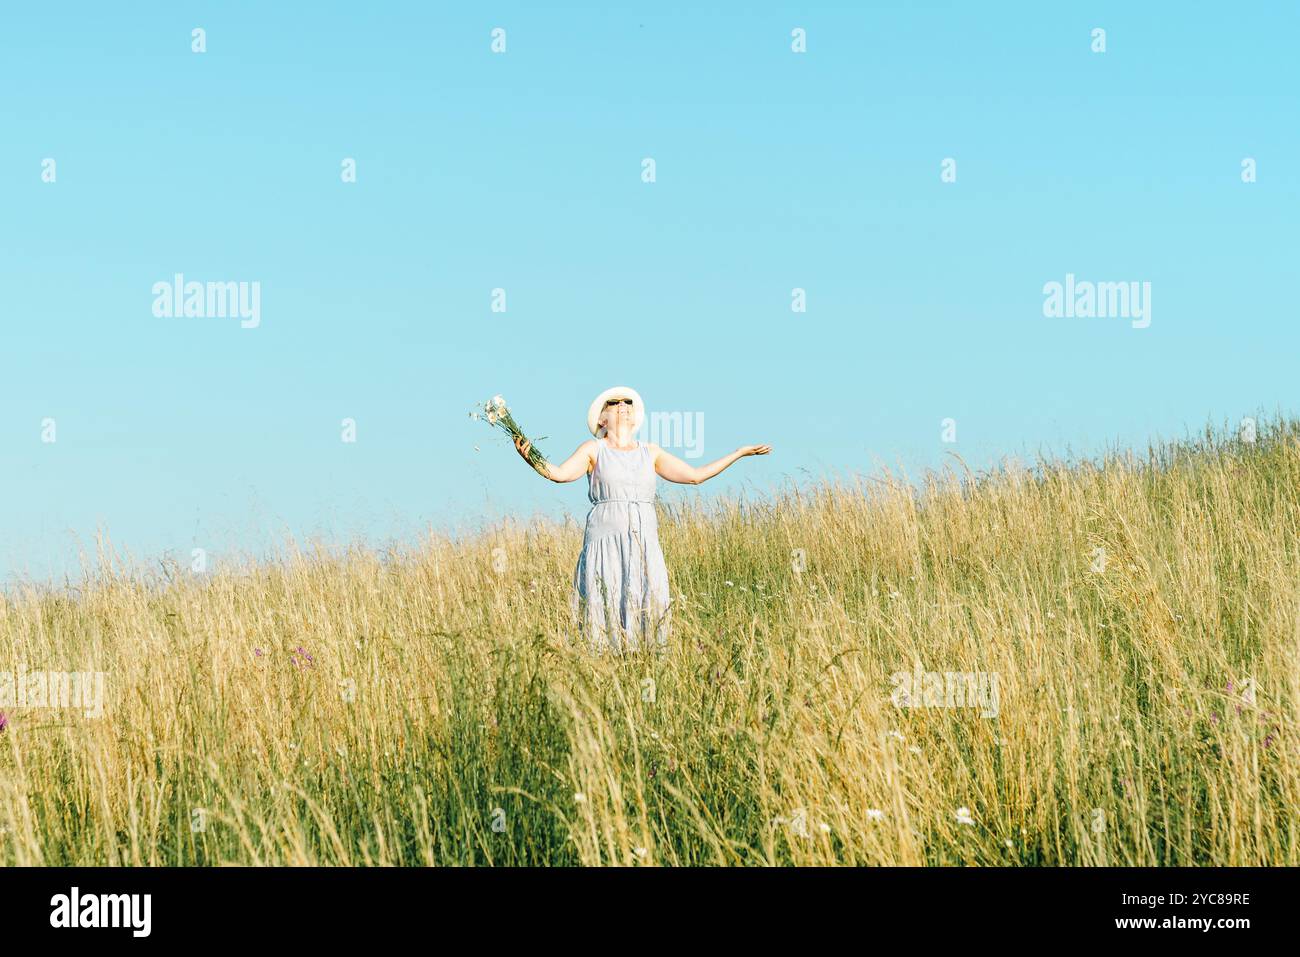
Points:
[[673, 469], [575, 467]]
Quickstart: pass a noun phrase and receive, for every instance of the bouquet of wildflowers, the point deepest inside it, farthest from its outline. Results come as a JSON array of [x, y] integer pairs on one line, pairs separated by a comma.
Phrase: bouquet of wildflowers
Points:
[[496, 412]]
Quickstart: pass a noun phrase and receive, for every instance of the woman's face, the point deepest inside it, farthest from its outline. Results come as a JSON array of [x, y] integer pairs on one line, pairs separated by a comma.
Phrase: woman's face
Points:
[[617, 412]]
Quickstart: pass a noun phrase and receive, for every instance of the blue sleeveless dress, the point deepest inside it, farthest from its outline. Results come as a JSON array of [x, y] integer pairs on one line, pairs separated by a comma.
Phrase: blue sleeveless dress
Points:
[[620, 587]]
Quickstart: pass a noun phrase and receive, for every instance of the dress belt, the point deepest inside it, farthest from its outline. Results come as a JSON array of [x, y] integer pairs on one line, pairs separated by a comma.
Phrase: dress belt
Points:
[[635, 512]]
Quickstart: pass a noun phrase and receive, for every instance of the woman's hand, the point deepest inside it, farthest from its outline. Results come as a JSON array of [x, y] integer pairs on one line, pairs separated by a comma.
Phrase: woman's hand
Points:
[[522, 446], [754, 449]]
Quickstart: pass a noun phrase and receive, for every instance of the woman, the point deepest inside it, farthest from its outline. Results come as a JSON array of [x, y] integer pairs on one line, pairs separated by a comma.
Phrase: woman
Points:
[[620, 587]]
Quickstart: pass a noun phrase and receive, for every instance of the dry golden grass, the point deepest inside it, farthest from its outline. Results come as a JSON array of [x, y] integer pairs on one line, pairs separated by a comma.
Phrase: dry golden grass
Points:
[[764, 735]]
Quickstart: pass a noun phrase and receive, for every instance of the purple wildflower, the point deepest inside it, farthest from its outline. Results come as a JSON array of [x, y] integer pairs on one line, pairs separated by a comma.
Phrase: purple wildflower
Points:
[[257, 652], [1268, 740], [4, 720]]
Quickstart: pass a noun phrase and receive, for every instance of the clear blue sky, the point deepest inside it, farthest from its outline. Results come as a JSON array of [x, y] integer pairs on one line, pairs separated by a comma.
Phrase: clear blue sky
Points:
[[775, 170]]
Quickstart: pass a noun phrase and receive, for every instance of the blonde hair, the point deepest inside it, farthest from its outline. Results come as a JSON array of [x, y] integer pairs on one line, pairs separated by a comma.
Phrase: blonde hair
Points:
[[602, 418]]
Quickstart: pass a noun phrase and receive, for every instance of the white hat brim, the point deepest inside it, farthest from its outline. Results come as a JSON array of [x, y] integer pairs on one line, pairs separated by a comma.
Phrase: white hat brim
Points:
[[618, 392]]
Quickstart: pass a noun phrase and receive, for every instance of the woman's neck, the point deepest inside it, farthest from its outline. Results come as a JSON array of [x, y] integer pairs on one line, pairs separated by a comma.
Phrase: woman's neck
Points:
[[620, 442]]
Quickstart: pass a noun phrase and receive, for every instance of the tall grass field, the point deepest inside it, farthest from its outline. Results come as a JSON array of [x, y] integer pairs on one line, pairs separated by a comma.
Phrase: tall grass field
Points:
[[1138, 616]]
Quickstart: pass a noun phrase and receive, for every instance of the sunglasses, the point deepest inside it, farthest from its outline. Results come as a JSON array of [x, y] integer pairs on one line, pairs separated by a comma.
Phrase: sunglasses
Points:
[[610, 402]]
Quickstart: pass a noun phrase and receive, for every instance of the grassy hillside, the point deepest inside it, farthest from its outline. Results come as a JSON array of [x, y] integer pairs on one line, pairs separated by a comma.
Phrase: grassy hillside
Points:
[[1140, 616]]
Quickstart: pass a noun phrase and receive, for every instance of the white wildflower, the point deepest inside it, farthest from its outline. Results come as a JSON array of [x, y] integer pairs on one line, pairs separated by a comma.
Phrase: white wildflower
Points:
[[875, 814], [963, 816]]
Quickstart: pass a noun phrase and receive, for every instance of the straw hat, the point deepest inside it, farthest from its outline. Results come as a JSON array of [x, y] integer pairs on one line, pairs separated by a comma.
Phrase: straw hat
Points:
[[618, 392]]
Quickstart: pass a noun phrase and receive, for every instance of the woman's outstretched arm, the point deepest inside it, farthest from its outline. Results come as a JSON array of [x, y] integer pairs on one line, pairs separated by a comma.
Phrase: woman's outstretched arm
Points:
[[575, 467], [673, 469]]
